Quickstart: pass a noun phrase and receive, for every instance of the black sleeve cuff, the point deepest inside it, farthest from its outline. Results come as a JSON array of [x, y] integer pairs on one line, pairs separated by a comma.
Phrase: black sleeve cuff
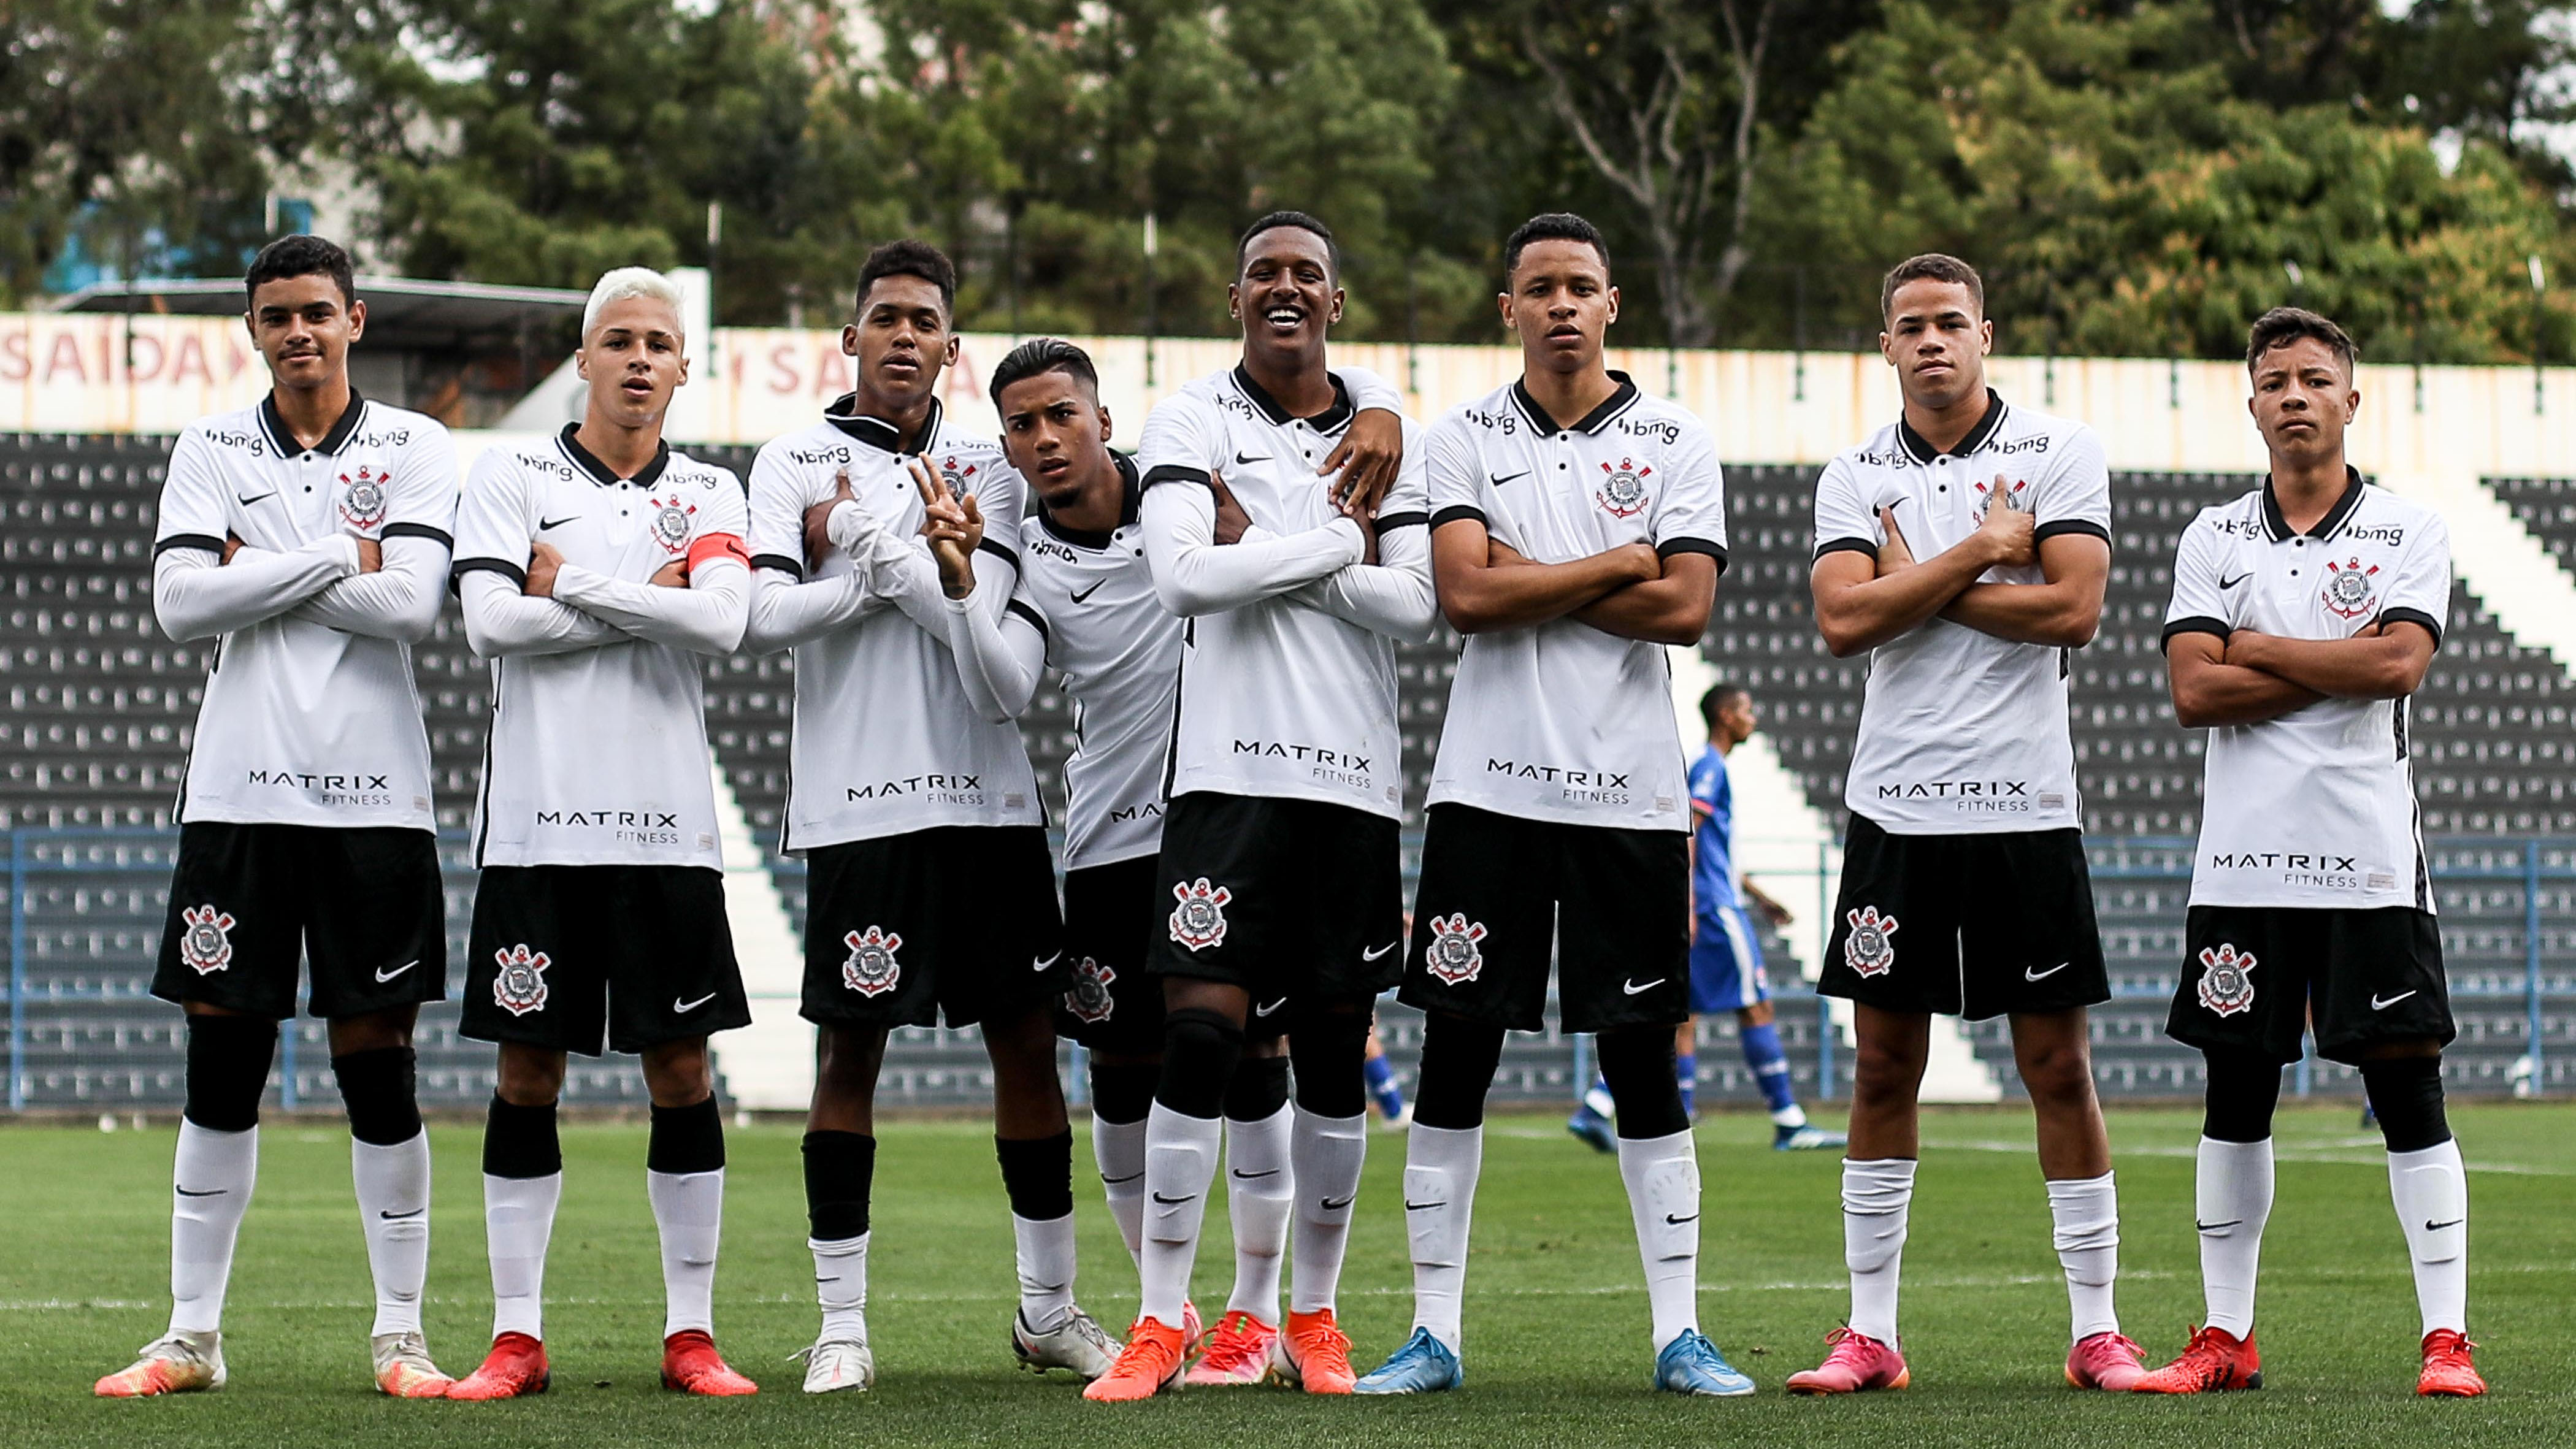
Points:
[[438, 536], [1022, 609], [995, 549], [1174, 473], [464, 566], [2417, 617], [1847, 545], [1387, 521], [1457, 513], [1711, 547], [2062, 526], [2195, 624], [208, 542], [794, 568]]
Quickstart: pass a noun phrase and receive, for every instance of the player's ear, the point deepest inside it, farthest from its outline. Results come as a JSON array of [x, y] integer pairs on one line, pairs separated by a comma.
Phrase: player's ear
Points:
[[357, 319], [1104, 421], [1503, 304], [1985, 335], [948, 355], [1335, 315], [1611, 314], [1234, 300], [849, 339]]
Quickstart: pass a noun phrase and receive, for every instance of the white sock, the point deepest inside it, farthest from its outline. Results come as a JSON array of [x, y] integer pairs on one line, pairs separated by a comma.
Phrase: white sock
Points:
[[1792, 1117], [1119, 1148], [1441, 1165], [1876, 1195], [1326, 1154], [518, 1221], [2086, 1211], [2431, 1190], [1180, 1162], [841, 1286], [210, 1183], [393, 1206], [2231, 1200], [688, 1207], [1662, 1174], [1260, 1192], [1043, 1251]]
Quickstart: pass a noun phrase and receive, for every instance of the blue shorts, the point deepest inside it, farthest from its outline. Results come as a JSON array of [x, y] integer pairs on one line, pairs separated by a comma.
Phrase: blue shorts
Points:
[[1726, 963]]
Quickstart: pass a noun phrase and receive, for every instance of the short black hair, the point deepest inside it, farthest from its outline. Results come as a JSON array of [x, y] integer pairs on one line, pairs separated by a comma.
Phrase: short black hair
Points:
[[909, 258], [1297, 219], [2284, 325], [300, 255], [1039, 356], [1930, 267], [1715, 700], [1552, 226]]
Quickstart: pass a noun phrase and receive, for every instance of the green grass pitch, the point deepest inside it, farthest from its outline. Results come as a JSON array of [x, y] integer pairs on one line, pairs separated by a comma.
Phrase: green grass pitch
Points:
[[1556, 1319]]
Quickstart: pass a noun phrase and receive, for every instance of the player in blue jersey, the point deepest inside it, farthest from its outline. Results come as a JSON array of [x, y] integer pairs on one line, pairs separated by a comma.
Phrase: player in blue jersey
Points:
[[1726, 949]]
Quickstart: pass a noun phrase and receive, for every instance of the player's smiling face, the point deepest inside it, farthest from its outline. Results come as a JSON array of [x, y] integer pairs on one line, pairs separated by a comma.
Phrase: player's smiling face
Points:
[[1560, 304], [1286, 296], [303, 327], [902, 342], [1937, 338], [1057, 435], [633, 360], [2303, 399]]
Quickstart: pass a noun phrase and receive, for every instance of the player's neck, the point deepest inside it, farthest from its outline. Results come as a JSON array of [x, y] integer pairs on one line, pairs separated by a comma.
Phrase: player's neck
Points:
[[1721, 744], [1569, 397], [1944, 425], [1100, 506], [909, 417], [2308, 489], [1297, 381], [623, 450], [311, 412]]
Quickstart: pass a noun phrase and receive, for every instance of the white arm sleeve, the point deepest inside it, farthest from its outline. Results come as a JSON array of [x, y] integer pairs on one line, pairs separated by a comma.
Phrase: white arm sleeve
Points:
[[501, 621], [999, 662], [1393, 596], [707, 617], [196, 595], [399, 601], [1192, 575]]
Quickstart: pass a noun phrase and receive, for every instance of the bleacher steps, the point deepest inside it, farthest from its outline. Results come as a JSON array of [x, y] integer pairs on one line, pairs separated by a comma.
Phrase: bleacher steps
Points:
[[768, 1065], [2511, 571]]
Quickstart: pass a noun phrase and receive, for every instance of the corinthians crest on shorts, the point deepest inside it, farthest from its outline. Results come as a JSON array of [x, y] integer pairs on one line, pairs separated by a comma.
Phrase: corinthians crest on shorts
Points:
[[1198, 922], [1089, 1000], [1623, 488], [2226, 982], [1453, 955], [871, 969], [1868, 950], [206, 946], [521, 986], [2349, 591], [362, 497]]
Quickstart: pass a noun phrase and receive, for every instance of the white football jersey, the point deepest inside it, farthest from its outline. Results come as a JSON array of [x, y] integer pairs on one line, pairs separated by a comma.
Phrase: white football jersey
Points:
[[1282, 697], [597, 755], [303, 723], [1561, 721], [2317, 807], [1120, 655], [885, 741], [1962, 733]]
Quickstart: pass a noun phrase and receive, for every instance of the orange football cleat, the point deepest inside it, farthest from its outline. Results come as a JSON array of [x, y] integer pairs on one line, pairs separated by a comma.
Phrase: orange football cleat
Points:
[[514, 1369], [1149, 1364], [2448, 1371], [2215, 1360]]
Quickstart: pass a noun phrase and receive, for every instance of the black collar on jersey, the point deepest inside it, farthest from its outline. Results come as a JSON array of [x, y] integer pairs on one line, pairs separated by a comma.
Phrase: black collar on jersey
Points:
[[2327, 527], [1621, 398], [1921, 449], [601, 473], [1132, 490], [877, 433], [274, 424], [1331, 420]]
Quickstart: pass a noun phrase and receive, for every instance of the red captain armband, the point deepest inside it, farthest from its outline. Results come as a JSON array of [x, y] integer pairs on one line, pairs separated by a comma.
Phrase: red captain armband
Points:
[[718, 546]]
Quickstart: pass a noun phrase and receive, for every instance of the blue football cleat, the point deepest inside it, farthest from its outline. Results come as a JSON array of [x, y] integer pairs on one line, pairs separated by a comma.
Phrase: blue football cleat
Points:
[[1808, 1138], [1423, 1366], [1594, 1128], [1691, 1364]]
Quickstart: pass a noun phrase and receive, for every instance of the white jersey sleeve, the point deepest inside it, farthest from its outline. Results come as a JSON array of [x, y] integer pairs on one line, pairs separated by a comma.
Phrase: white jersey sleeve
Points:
[[195, 594], [2199, 605], [708, 616], [1194, 575], [1690, 511], [494, 525], [1183, 439], [1846, 518], [1393, 596], [2075, 496], [401, 599], [1370, 392], [998, 661], [1454, 486]]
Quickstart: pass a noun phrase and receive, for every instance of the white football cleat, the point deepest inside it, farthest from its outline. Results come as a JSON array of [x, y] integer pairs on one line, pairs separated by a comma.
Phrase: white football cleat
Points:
[[838, 1365], [175, 1363], [1079, 1343], [404, 1369]]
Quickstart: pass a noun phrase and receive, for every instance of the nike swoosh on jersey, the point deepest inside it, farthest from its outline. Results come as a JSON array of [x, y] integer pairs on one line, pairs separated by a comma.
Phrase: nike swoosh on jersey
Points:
[[1632, 988], [1249, 458], [383, 975], [2378, 1005], [2028, 974], [1379, 954], [247, 502], [1332, 1205], [1506, 478], [2231, 583], [545, 523], [677, 1005], [1085, 594]]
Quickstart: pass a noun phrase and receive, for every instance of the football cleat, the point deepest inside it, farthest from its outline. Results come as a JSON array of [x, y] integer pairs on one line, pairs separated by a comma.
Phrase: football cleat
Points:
[[1806, 1138], [515, 1368], [1690, 1364], [2109, 1361], [2215, 1359], [691, 1365], [175, 1363], [838, 1365], [2448, 1372], [1192, 1331], [1592, 1127], [1237, 1351], [1423, 1366], [1857, 1364], [1078, 1344], [1149, 1364], [403, 1369], [1402, 1119], [1312, 1353]]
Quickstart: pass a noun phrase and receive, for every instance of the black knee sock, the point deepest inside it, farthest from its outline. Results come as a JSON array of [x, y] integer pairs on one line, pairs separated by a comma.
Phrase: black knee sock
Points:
[[686, 1139], [1200, 1049], [2244, 1088], [1123, 1092], [521, 1141], [380, 1091], [2407, 1095], [1330, 1051], [1638, 1064], [1259, 1089], [1459, 1058], [228, 1059], [1037, 1175], [840, 1169]]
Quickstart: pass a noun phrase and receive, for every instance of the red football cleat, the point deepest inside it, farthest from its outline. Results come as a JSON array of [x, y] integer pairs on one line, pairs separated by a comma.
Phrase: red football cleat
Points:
[[1311, 1352], [2108, 1361], [1149, 1364], [1857, 1364], [691, 1365], [2215, 1359], [2448, 1372], [515, 1368]]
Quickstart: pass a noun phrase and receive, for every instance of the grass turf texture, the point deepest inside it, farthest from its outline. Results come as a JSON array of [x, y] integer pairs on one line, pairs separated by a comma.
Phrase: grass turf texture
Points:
[[1556, 1314]]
